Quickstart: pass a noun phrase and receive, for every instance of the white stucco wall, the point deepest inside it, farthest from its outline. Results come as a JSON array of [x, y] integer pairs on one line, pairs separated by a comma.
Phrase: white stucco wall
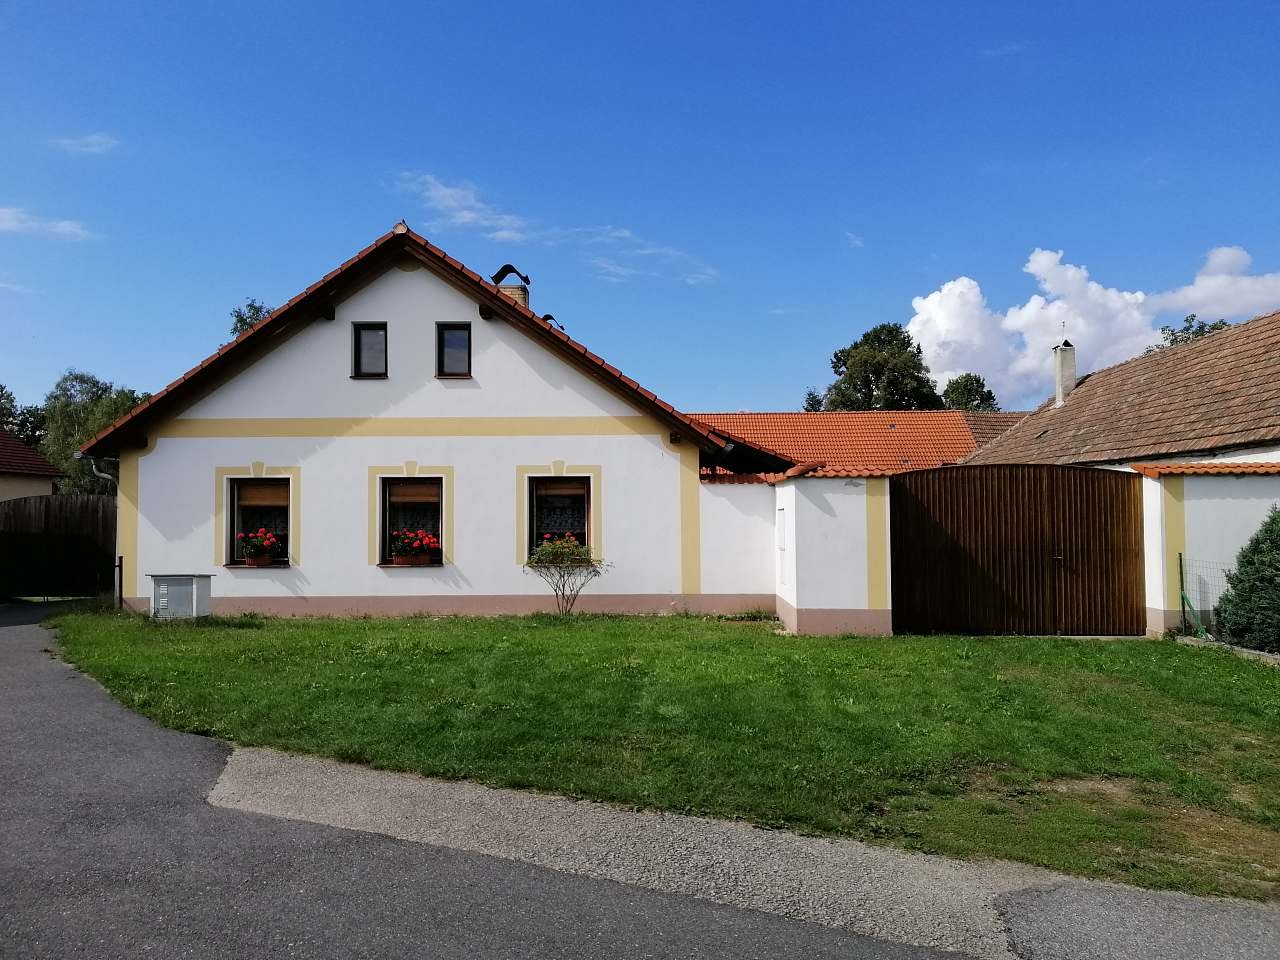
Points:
[[831, 531], [310, 375], [784, 543], [738, 548], [639, 497], [1223, 512], [1153, 550]]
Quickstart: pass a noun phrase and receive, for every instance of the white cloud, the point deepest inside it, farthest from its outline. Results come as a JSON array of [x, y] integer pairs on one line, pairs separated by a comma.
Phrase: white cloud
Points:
[[92, 143], [14, 287], [958, 331], [630, 256], [855, 240], [17, 220]]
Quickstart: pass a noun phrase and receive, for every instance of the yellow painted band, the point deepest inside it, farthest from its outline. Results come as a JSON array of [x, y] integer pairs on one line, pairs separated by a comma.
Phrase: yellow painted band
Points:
[[410, 469], [1175, 538], [690, 521], [127, 521], [877, 543], [412, 427]]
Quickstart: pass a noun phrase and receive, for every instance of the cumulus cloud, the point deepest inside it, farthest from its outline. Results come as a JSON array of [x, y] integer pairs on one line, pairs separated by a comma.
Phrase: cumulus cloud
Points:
[[92, 143], [614, 254], [17, 220], [959, 331]]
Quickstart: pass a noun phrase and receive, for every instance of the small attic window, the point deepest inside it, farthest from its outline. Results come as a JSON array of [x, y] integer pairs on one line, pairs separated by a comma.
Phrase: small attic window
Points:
[[369, 351], [453, 349]]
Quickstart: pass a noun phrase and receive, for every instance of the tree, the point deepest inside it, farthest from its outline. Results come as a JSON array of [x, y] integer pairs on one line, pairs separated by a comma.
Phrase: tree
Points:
[[969, 391], [24, 422], [812, 400], [79, 406], [1248, 614], [1191, 329], [883, 370], [242, 318]]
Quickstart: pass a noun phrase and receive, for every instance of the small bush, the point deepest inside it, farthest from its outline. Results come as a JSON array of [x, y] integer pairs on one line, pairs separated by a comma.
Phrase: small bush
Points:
[[1248, 614], [566, 566]]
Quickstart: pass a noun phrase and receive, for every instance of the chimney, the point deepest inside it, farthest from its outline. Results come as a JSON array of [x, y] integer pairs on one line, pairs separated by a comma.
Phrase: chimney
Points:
[[1064, 371], [516, 291]]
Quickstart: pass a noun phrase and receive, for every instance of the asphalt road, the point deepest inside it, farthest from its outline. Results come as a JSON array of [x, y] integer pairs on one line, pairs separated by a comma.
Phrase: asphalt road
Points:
[[108, 849]]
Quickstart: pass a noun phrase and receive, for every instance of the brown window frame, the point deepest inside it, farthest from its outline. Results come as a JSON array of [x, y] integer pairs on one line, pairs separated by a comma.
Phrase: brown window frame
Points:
[[384, 494], [356, 330], [535, 482], [441, 330], [235, 525]]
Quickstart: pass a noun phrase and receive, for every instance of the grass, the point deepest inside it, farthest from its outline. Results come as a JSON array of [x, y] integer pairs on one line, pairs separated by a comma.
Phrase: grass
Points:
[[1140, 761]]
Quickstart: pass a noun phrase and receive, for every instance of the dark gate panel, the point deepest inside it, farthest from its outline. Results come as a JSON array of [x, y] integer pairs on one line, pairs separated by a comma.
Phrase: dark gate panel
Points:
[[1025, 548], [57, 546]]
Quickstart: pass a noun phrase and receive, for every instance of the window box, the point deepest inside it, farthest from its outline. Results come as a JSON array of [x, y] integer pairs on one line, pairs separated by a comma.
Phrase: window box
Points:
[[432, 558], [262, 561]]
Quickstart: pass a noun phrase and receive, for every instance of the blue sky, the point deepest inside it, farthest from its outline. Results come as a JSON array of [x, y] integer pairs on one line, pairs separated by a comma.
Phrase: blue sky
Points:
[[711, 197]]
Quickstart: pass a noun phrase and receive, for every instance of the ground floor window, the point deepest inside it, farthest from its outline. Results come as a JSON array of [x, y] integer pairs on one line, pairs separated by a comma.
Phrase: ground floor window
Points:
[[260, 507], [559, 505], [411, 504]]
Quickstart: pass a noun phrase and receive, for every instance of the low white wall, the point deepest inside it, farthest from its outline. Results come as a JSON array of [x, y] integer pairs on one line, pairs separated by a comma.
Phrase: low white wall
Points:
[[13, 486], [831, 530], [738, 550], [1221, 514], [784, 544]]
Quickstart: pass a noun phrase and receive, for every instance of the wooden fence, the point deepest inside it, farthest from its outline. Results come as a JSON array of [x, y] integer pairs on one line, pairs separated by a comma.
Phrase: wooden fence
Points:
[[57, 546]]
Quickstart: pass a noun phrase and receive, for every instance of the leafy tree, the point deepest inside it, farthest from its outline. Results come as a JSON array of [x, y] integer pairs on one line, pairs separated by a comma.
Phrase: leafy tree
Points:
[[1191, 329], [242, 318], [1248, 614], [78, 406], [812, 400], [883, 370], [969, 391], [24, 422]]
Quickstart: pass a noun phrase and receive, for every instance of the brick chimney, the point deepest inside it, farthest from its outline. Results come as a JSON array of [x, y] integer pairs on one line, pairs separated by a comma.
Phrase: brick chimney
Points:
[[1064, 371], [516, 291]]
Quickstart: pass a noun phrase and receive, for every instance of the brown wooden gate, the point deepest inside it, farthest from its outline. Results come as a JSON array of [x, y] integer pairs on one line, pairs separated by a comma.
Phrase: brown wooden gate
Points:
[[57, 546], [1029, 549]]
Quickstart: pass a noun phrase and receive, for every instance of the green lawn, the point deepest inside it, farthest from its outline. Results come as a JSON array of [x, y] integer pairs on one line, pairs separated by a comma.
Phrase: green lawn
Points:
[[1142, 761]]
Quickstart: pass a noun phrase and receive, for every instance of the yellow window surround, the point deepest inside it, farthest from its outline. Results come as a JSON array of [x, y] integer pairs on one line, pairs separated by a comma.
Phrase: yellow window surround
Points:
[[410, 468], [221, 532]]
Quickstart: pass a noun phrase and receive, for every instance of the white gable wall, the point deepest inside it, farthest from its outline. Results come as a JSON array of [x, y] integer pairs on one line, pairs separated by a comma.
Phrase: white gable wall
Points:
[[310, 375]]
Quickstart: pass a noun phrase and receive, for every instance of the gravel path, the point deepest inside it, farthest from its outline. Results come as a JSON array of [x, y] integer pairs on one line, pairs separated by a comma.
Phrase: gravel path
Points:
[[972, 907]]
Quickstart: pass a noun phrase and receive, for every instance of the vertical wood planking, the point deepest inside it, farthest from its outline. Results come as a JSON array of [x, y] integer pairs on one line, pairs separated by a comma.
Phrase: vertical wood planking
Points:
[[1018, 548]]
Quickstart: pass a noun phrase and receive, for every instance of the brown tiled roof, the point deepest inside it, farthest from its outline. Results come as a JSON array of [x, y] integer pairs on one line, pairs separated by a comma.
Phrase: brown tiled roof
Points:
[[1157, 470], [1217, 392], [17, 457], [985, 427], [862, 443], [316, 299]]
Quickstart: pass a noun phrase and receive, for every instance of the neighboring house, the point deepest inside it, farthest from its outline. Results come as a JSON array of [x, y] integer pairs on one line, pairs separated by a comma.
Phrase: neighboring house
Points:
[[403, 389], [1200, 422], [23, 472]]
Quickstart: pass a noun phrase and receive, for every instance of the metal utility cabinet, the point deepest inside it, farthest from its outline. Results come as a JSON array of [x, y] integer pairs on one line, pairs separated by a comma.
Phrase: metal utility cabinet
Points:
[[180, 596]]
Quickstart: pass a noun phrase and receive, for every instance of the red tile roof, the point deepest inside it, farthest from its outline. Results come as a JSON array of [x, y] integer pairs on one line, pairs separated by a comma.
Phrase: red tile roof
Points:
[[17, 457], [863, 443], [1215, 393], [316, 299], [1157, 470]]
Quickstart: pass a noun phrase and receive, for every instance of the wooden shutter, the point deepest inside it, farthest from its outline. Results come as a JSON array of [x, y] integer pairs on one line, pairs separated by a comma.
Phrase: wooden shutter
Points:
[[262, 493], [413, 491]]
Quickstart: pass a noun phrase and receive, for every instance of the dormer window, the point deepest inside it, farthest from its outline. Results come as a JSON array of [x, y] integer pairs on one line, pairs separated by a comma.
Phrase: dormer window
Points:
[[453, 349], [369, 351]]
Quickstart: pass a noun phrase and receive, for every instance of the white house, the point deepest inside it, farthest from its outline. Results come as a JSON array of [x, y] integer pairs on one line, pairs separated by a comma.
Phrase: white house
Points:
[[403, 390]]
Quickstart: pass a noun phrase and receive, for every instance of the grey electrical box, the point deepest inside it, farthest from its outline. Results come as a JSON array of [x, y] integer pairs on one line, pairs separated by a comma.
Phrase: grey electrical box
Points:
[[178, 596]]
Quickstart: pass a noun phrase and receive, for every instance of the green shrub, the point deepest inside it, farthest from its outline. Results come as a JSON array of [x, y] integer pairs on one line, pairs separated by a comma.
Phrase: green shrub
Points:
[[1248, 614]]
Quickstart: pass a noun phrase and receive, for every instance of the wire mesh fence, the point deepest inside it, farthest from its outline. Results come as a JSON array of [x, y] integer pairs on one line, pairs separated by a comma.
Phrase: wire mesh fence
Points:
[[1203, 583]]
